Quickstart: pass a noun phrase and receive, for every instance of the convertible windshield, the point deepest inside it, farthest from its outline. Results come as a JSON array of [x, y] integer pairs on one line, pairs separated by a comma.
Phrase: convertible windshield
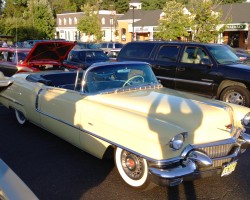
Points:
[[223, 55], [118, 76]]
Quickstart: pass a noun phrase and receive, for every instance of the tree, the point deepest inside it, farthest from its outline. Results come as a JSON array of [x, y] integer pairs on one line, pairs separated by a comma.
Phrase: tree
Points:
[[205, 20], [174, 22], [90, 23], [41, 17], [153, 4]]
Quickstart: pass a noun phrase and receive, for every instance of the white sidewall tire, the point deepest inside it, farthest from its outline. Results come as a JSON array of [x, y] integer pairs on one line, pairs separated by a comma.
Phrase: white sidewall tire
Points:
[[134, 183], [20, 117]]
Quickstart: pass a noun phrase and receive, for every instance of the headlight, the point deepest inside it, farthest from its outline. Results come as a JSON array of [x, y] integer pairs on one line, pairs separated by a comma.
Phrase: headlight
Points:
[[177, 142], [246, 120]]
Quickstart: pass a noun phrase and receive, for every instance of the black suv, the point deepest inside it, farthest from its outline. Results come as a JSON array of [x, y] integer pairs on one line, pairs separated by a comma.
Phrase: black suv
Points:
[[210, 70]]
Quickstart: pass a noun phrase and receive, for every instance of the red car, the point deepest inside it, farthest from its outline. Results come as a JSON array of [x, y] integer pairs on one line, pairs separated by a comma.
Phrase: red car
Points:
[[47, 55]]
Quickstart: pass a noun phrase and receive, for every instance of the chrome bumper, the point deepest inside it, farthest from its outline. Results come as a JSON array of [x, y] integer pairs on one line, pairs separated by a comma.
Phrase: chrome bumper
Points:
[[189, 168], [174, 176]]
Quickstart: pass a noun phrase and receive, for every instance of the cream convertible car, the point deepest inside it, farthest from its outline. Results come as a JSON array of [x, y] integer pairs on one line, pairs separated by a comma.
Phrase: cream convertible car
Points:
[[157, 134]]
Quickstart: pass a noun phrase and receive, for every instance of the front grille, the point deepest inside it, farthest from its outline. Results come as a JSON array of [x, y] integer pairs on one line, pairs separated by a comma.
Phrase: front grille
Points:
[[216, 151], [219, 163]]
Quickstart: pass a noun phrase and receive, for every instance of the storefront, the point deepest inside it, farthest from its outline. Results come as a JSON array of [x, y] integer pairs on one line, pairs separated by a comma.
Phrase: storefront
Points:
[[236, 35]]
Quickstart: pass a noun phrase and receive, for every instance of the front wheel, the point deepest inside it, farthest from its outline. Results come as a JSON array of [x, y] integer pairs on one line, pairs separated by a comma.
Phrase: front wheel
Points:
[[20, 117], [237, 95], [132, 168]]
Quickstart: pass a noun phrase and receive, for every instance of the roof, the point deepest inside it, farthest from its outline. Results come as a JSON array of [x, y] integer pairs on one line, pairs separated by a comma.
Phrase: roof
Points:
[[143, 17], [238, 12]]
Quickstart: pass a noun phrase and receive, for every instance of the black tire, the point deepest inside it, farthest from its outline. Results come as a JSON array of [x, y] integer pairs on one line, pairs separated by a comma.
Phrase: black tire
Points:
[[133, 169], [21, 119], [236, 95]]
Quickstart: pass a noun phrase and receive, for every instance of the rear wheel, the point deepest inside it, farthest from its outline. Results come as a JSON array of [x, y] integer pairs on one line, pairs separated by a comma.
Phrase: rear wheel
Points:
[[237, 95], [20, 117], [132, 168]]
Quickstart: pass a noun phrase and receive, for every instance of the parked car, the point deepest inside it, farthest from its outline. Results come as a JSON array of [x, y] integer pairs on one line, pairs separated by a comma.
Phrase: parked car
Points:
[[11, 186], [113, 54], [43, 56], [119, 108], [241, 53], [83, 58], [210, 70], [107, 46], [86, 45]]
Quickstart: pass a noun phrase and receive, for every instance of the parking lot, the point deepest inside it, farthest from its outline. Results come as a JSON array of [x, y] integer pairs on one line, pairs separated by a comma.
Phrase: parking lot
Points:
[[54, 169]]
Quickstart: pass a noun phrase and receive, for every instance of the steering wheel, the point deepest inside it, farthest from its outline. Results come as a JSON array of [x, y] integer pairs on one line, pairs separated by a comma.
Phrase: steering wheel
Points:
[[132, 78]]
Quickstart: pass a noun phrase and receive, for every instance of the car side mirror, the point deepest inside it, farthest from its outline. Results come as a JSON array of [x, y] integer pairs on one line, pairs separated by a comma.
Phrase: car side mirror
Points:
[[206, 61]]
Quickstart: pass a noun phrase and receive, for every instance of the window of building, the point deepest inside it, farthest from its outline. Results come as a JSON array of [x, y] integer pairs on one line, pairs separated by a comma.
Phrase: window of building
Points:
[[70, 21], [65, 21], [103, 21], [60, 21], [75, 20]]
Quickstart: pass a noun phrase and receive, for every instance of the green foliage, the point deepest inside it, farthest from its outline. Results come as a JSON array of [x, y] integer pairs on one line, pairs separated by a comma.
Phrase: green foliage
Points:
[[174, 23], [90, 23], [232, 1], [44, 22], [63, 6], [205, 20], [153, 4]]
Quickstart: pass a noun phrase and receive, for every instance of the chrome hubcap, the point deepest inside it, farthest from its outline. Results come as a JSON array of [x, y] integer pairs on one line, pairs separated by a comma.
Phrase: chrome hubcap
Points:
[[132, 165], [235, 98]]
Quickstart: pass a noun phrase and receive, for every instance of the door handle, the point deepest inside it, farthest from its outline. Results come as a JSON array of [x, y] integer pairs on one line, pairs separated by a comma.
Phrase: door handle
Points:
[[181, 69]]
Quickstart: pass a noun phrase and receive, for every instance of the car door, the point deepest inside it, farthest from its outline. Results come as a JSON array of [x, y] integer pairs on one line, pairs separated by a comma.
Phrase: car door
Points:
[[165, 64], [193, 75], [59, 113]]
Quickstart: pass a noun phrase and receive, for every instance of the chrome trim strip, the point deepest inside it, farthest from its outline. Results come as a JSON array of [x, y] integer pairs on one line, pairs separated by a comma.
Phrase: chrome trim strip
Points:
[[184, 80]]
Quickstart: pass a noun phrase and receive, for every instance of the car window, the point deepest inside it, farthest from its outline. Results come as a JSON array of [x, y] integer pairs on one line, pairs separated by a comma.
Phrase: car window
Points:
[[93, 55], [223, 55], [103, 45], [110, 45], [168, 53], [118, 45], [137, 50], [193, 55]]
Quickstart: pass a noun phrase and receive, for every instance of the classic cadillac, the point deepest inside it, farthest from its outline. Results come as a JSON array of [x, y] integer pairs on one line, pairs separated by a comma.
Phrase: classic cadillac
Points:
[[156, 135]]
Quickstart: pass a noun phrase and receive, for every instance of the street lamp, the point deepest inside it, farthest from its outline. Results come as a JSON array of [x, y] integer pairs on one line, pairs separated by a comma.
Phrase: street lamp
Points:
[[133, 37]]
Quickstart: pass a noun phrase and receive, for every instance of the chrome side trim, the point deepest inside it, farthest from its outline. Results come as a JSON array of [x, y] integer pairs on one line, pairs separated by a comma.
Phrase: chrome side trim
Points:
[[184, 80], [11, 99]]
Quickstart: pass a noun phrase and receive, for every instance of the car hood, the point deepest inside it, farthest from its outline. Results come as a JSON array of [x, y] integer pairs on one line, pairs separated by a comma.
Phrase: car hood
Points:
[[238, 66], [189, 113], [49, 52]]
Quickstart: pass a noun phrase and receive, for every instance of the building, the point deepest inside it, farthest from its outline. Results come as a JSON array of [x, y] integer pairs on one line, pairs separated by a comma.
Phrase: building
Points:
[[138, 24], [67, 26], [237, 33]]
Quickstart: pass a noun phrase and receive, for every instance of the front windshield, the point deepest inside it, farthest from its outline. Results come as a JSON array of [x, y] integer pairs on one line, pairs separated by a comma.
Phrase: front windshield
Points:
[[223, 55], [117, 76]]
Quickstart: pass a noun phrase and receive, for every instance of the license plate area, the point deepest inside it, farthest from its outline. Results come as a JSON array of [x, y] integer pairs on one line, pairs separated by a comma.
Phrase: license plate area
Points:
[[228, 168]]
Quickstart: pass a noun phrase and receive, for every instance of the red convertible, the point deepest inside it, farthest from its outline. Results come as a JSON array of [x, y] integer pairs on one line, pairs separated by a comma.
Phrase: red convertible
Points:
[[47, 55]]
